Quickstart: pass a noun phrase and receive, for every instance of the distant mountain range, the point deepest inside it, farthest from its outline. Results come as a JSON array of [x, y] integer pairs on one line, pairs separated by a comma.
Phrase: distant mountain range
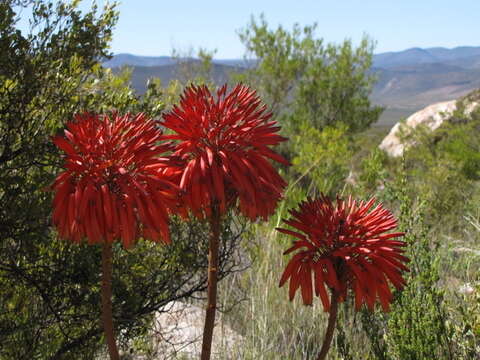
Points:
[[407, 80], [460, 56], [134, 60], [171, 71], [464, 56]]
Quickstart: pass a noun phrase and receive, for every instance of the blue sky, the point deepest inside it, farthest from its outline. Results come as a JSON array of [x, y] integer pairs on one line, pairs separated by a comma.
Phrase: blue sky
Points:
[[154, 27]]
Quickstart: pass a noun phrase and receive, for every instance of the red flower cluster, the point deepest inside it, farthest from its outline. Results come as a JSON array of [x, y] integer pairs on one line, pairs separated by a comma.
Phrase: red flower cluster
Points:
[[345, 247], [225, 145], [114, 181]]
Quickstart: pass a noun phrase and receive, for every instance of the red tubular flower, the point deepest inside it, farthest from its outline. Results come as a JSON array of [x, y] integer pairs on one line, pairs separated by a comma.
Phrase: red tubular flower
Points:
[[115, 186], [344, 246], [225, 145]]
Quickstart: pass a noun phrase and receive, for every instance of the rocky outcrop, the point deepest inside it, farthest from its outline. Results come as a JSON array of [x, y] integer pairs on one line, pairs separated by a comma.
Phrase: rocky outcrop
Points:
[[431, 117]]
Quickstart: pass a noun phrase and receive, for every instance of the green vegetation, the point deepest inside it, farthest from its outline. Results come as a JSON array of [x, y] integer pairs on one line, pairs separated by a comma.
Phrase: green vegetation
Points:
[[320, 93], [50, 294], [305, 80]]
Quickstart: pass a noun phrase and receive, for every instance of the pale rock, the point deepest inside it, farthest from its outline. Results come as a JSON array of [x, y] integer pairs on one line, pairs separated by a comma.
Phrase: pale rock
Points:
[[432, 116], [177, 334], [466, 289]]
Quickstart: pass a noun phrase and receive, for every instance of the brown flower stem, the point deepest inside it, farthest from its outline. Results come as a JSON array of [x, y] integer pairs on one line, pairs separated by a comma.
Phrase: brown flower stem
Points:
[[212, 284], [332, 319], [107, 321]]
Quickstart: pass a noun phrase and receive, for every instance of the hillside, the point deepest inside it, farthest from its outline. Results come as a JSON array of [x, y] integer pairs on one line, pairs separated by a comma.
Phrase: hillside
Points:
[[416, 56], [407, 80], [119, 60], [168, 72], [413, 86], [134, 60]]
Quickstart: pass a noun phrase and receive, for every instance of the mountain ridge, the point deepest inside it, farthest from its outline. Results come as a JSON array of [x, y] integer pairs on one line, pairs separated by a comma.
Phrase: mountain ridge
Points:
[[409, 56], [407, 80], [421, 56]]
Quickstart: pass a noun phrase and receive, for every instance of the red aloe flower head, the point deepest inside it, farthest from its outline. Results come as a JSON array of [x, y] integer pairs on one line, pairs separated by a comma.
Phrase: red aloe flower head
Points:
[[115, 185], [344, 246], [225, 144]]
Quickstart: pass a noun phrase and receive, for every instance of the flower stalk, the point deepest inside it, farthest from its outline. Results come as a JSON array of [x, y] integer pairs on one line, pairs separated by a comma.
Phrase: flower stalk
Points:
[[107, 318], [332, 320], [214, 241]]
